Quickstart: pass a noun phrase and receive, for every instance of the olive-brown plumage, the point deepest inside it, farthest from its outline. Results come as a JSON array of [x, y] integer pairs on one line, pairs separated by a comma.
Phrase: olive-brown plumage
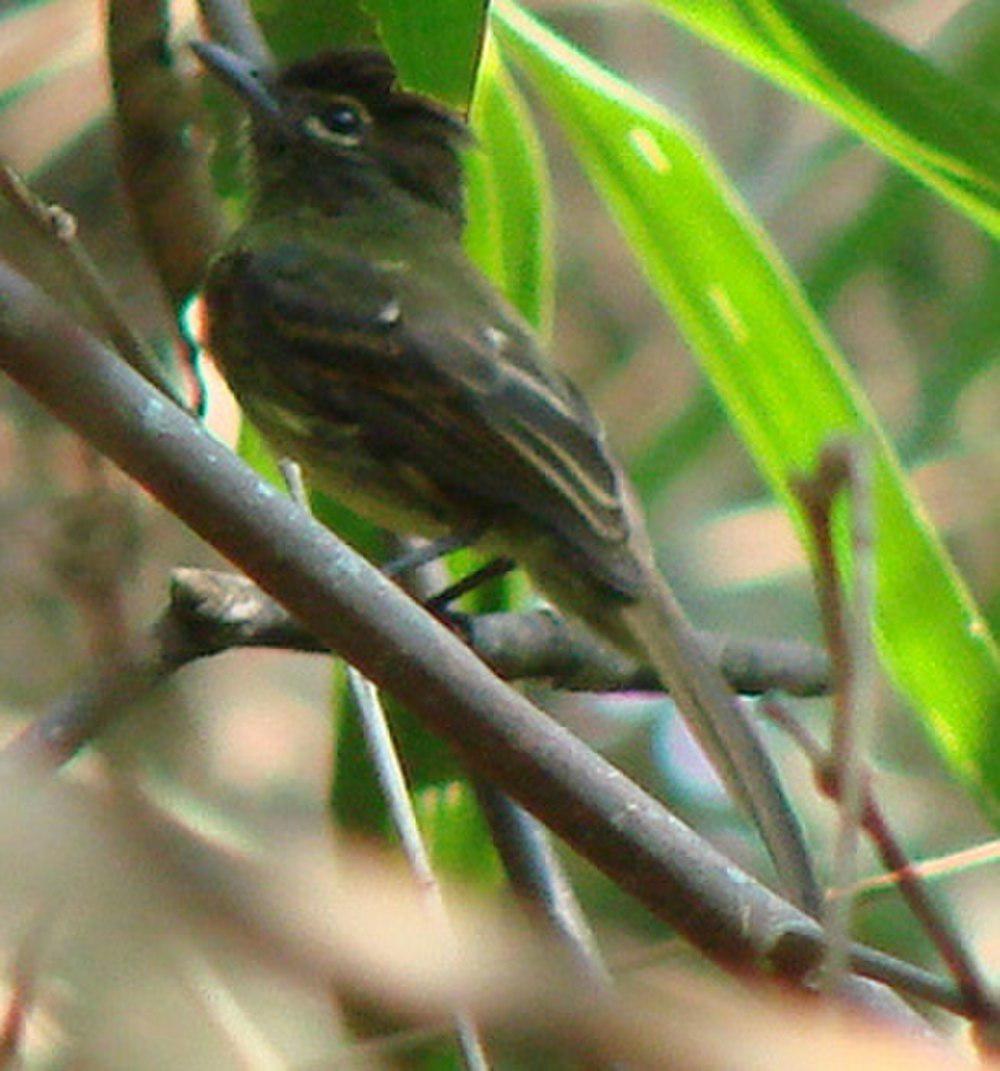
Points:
[[362, 342]]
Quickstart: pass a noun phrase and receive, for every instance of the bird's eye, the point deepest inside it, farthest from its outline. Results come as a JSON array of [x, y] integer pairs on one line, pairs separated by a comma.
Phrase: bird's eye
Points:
[[340, 124]]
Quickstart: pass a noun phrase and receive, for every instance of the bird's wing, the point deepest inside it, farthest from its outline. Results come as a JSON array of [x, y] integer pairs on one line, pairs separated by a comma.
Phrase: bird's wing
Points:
[[445, 377]]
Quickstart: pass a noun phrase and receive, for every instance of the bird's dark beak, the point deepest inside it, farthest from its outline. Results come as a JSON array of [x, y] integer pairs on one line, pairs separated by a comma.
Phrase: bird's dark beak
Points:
[[242, 77]]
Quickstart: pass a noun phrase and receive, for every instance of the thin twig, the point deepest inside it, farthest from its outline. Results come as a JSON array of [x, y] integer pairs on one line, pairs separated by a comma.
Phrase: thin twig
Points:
[[538, 878], [396, 793], [58, 227], [392, 783], [291, 473], [847, 622], [946, 938], [533, 869], [415, 556], [940, 866], [453, 592], [181, 636], [54, 739], [213, 993], [211, 612], [232, 23]]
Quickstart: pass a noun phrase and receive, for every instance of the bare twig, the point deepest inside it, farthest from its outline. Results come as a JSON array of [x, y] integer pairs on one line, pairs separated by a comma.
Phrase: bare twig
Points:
[[532, 867], [58, 227], [92, 522], [213, 993], [537, 876], [232, 23], [56, 738], [947, 865], [396, 793], [392, 783], [291, 473], [847, 623], [946, 938], [336, 593]]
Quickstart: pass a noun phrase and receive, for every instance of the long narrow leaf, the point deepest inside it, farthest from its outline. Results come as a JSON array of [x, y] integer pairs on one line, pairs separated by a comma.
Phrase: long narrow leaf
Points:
[[945, 132], [434, 43], [508, 232], [785, 384]]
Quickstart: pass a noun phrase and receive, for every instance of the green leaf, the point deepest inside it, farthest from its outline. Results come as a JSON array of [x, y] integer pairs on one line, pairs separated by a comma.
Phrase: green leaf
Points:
[[457, 836], [435, 44], [508, 234], [314, 27], [252, 448], [787, 388], [507, 191], [945, 132]]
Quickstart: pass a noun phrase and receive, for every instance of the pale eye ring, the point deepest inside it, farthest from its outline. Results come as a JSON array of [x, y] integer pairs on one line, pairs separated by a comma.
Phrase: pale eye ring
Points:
[[341, 124]]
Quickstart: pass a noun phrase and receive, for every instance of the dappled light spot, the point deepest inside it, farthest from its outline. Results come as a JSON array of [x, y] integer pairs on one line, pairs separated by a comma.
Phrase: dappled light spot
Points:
[[649, 149], [727, 311]]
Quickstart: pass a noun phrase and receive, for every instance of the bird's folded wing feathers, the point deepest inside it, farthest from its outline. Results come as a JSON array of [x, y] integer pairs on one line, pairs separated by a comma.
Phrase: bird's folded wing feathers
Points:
[[475, 405]]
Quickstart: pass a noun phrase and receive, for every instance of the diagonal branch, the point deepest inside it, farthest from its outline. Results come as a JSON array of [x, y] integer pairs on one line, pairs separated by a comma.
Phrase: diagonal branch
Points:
[[57, 227], [335, 593], [902, 872]]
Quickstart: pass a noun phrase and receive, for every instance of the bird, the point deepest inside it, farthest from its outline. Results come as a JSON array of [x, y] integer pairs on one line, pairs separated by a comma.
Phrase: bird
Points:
[[362, 342]]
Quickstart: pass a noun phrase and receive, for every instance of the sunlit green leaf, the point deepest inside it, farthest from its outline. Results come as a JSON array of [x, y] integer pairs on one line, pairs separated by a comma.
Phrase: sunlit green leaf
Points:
[[508, 233], [434, 43], [788, 389], [314, 27], [942, 130], [456, 833]]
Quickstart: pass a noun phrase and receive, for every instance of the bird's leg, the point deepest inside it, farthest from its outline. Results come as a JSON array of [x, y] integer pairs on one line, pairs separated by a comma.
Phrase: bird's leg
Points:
[[497, 567], [432, 551], [437, 548]]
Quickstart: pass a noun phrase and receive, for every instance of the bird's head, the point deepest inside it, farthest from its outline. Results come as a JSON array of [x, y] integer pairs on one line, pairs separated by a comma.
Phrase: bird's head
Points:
[[340, 125]]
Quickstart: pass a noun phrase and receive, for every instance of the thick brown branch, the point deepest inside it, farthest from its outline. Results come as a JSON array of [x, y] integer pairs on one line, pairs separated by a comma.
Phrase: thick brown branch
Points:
[[395, 643]]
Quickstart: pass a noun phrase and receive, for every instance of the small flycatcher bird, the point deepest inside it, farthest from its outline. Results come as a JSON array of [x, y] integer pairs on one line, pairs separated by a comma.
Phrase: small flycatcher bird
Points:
[[362, 342]]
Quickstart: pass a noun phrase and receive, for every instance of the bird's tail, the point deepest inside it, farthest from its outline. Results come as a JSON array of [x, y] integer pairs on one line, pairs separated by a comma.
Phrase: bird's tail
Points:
[[715, 715]]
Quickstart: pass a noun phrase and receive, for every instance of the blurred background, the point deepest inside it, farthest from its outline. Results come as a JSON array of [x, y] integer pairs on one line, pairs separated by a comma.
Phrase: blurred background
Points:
[[910, 288]]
